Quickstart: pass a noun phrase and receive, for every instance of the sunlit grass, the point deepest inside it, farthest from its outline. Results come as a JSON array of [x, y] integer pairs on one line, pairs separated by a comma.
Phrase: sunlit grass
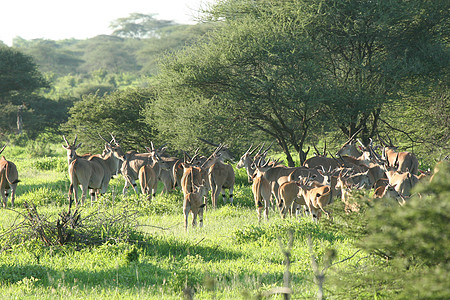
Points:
[[232, 256]]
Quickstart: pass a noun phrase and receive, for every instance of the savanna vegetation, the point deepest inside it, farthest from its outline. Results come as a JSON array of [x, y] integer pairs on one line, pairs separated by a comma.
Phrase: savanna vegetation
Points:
[[297, 73]]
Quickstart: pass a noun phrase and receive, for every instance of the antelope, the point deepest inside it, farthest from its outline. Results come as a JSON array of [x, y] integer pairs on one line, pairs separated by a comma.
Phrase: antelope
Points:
[[9, 177], [388, 191], [405, 161], [288, 197], [193, 202], [132, 163], [149, 173], [94, 173], [165, 176], [71, 150], [321, 160], [273, 172], [346, 185], [403, 182], [198, 175], [316, 198], [246, 161], [262, 194], [318, 162], [221, 176]]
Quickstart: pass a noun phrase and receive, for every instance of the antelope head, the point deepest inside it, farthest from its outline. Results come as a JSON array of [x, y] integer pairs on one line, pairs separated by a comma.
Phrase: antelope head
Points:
[[71, 148]]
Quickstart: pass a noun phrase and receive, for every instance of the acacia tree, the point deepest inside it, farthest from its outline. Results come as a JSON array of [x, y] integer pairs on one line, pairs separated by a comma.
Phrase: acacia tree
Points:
[[284, 66], [19, 78], [370, 48], [254, 70], [138, 25]]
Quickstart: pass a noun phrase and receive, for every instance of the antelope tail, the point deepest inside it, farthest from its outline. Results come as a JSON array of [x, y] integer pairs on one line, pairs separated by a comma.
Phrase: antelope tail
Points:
[[11, 174]]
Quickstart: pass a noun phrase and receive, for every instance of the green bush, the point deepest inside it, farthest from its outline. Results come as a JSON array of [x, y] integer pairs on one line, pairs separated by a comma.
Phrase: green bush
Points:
[[407, 245], [51, 163]]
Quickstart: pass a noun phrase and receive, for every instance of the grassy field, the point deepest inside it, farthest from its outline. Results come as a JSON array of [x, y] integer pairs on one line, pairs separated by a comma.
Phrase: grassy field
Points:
[[145, 253]]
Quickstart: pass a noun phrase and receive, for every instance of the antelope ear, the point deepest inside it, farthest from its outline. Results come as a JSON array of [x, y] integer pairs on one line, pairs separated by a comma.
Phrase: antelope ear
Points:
[[203, 205]]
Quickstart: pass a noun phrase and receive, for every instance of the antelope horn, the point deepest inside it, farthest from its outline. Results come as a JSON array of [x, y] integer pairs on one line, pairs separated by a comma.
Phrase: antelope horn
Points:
[[193, 157], [3, 148], [75, 140], [67, 142], [381, 140], [362, 145], [267, 150], [325, 149], [153, 147], [390, 141], [396, 161], [208, 142], [353, 136], [317, 151], [109, 143], [113, 139], [220, 147], [265, 164], [260, 149], [248, 150], [249, 153]]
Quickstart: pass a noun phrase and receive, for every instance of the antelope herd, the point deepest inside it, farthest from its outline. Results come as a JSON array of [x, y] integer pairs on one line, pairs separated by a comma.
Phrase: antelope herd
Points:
[[313, 186]]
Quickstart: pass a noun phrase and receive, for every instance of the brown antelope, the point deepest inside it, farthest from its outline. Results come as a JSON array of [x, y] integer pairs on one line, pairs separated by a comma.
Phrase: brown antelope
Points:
[[221, 176], [193, 202], [346, 185], [273, 172], [194, 175], [262, 194], [316, 198], [404, 161], [93, 173], [388, 191], [166, 175], [320, 161], [9, 177], [289, 197], [149, 173], [132, 163], [443, 164], [246, 161], [403, 182]]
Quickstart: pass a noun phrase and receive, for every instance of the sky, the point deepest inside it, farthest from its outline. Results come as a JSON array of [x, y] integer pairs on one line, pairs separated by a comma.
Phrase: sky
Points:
[[82, 19]]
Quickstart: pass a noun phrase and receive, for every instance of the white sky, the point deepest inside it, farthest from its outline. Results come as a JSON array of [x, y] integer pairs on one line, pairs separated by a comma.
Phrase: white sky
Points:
[[81, 19]]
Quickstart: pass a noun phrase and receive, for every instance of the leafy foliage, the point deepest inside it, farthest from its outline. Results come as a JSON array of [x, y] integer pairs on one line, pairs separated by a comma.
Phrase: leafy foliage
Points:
[[412, 242], [18, 73], [120, 113]]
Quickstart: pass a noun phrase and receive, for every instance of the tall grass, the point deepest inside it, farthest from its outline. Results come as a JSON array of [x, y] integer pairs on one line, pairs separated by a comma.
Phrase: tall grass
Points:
[[231, 257]]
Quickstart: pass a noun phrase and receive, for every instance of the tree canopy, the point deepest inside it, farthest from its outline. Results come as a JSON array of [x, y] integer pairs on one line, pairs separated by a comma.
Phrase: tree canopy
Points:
[[289, 67], [18, 73]]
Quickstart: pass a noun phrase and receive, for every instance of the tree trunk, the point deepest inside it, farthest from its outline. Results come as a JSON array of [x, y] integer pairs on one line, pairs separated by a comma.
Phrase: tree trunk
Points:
[[19, 119]]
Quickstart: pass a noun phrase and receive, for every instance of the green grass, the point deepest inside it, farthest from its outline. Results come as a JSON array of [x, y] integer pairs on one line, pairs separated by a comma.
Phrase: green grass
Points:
[[231, 257]]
